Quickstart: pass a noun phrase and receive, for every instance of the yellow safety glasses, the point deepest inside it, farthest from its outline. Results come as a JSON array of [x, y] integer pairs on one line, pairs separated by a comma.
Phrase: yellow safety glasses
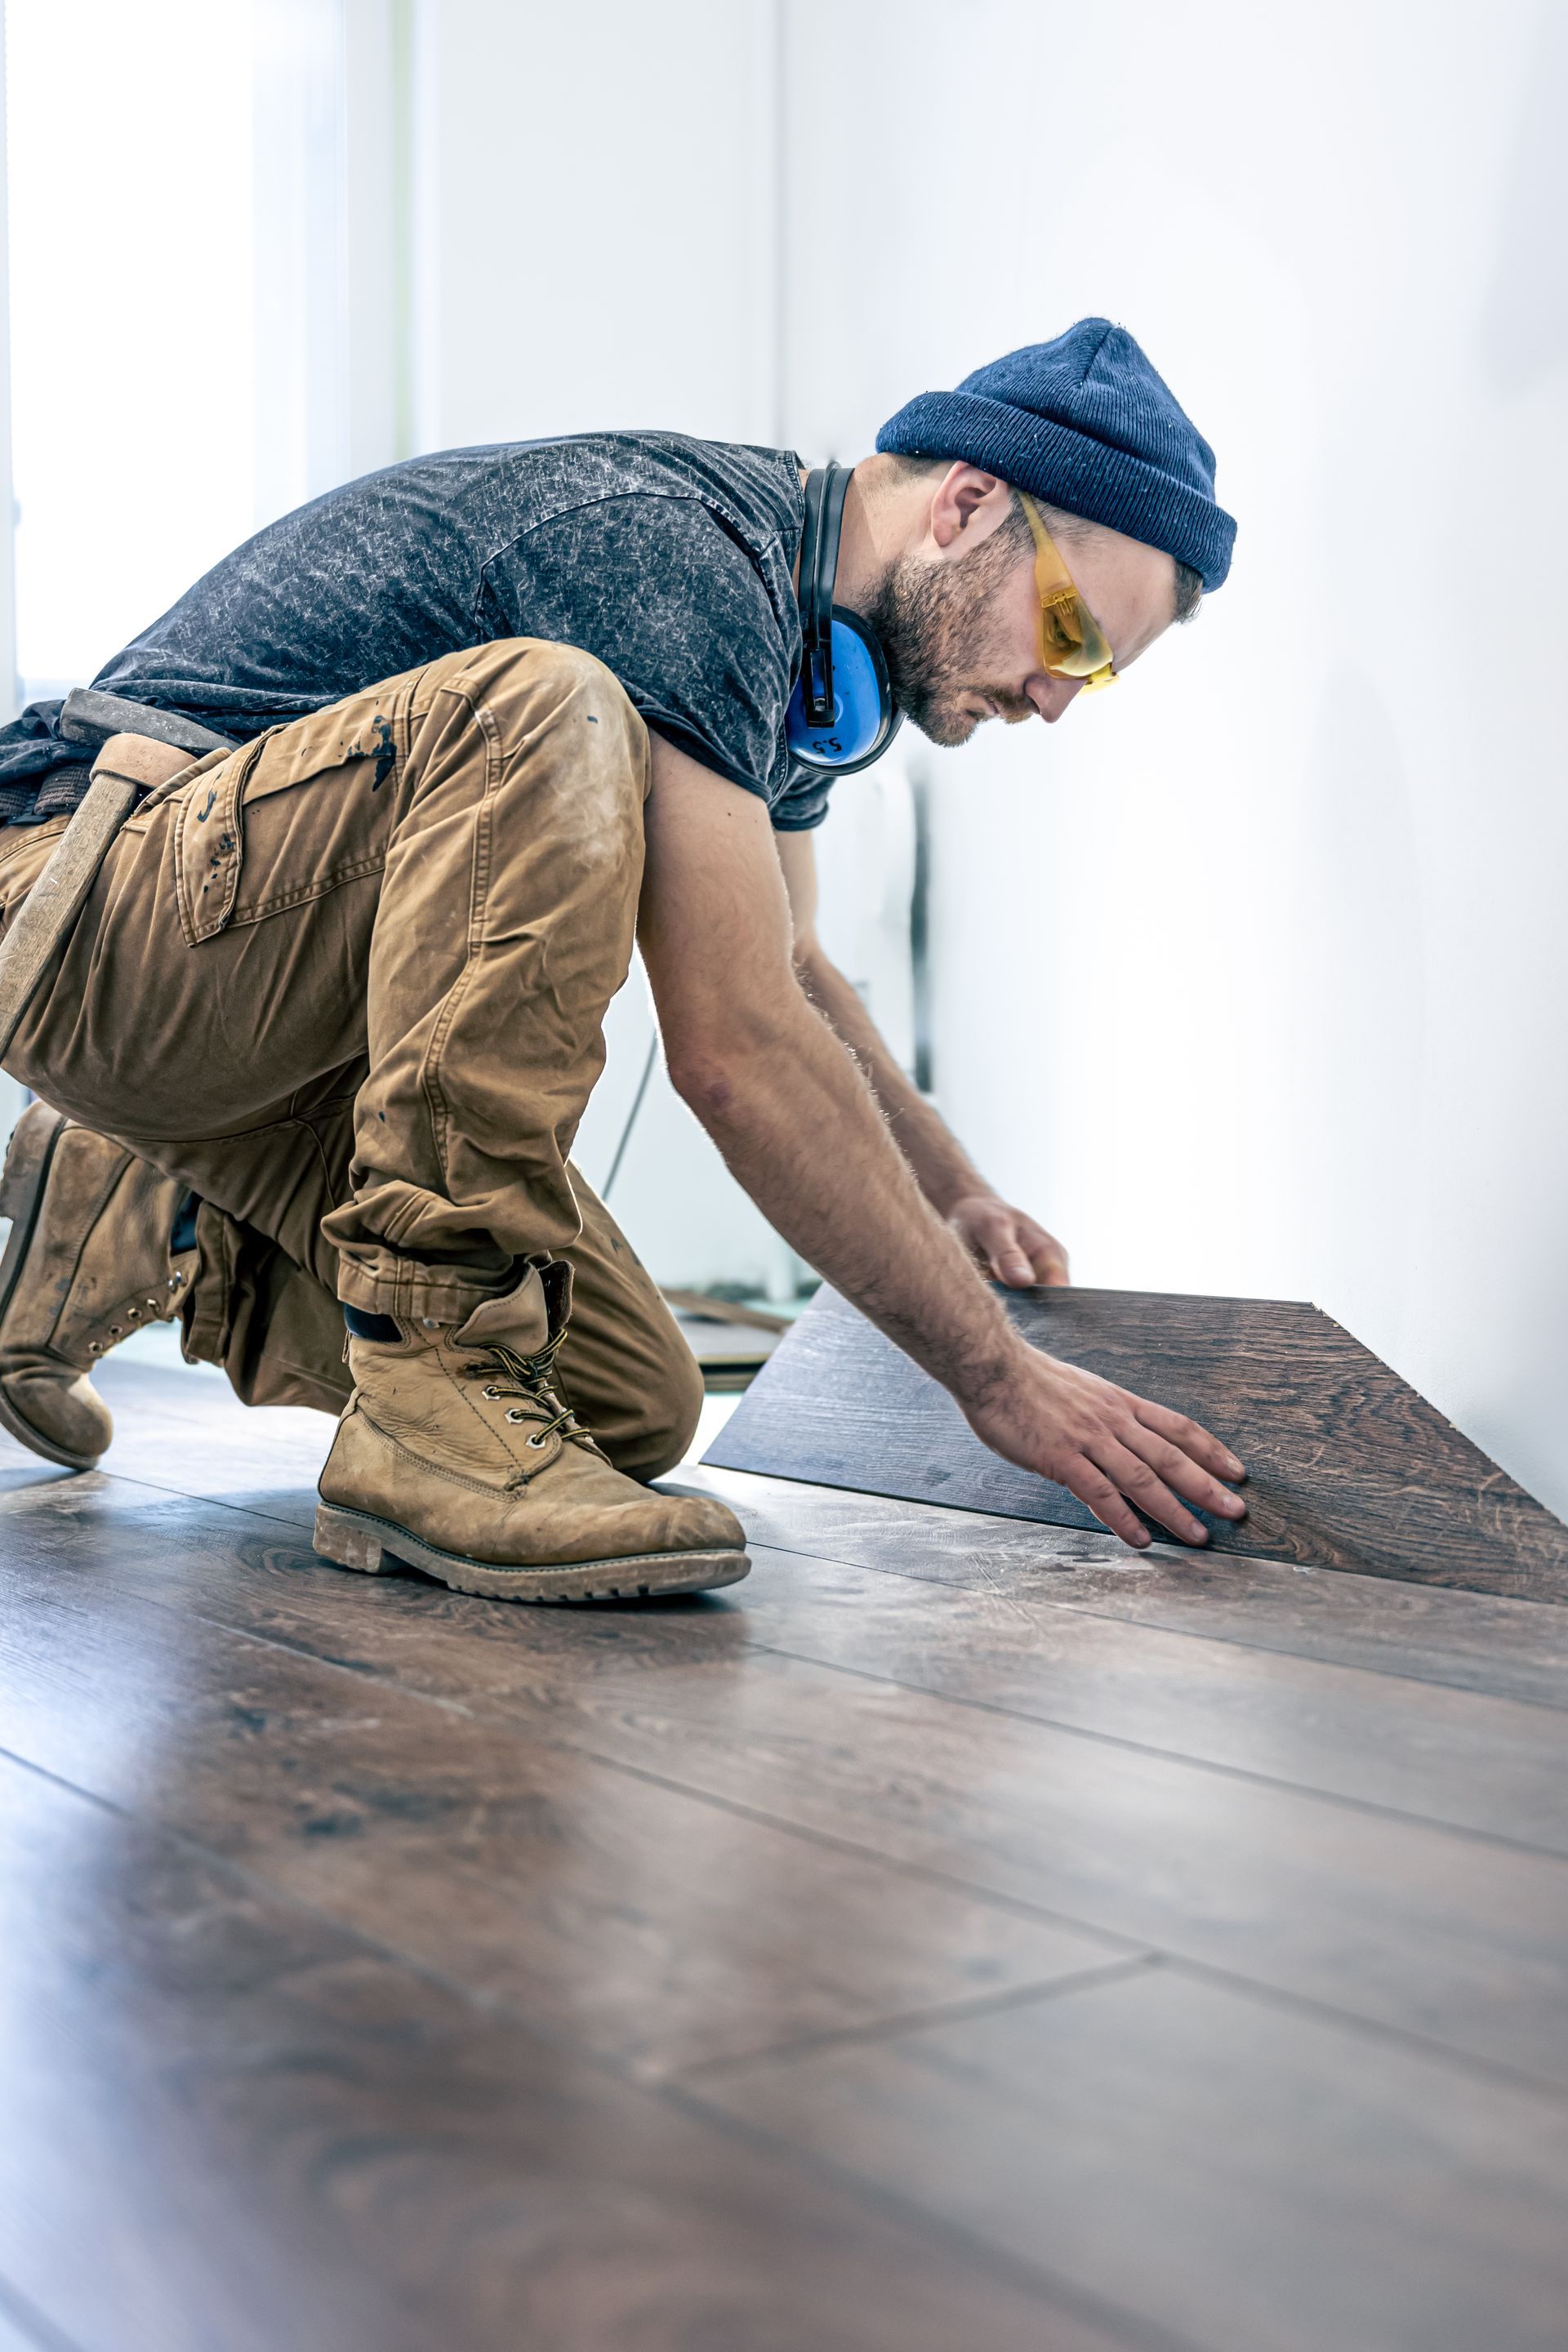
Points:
[[1072, 643]]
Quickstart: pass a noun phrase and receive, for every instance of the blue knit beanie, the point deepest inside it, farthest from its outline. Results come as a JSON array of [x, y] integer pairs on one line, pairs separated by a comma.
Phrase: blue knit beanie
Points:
[[1086, 424]]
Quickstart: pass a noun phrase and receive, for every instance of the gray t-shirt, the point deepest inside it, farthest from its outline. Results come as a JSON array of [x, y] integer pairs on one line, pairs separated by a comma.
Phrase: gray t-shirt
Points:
[[669, 558]]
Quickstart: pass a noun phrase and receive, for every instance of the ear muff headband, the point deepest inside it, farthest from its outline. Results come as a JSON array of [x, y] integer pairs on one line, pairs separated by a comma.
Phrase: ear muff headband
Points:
[[841, 715]]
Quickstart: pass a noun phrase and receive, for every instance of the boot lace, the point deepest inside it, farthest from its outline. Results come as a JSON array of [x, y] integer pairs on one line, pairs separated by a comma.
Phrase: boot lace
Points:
[[530, 1379]]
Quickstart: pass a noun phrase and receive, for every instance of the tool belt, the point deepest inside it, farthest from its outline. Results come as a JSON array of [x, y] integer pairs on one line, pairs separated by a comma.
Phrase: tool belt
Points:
[[141, 755]]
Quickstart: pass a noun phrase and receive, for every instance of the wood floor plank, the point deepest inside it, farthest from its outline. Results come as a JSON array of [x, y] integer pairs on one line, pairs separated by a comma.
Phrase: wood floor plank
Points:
[[1410, 1926], [1493, 1766], [182, 1428], [227, 2124], [1257, 2179], [642, 1922], [1348, 1466], [1475, 1762], [1423, 1930], [1470, 1641]]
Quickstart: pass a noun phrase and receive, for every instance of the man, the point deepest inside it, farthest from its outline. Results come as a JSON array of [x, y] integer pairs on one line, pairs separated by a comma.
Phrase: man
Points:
[[325, 1028]]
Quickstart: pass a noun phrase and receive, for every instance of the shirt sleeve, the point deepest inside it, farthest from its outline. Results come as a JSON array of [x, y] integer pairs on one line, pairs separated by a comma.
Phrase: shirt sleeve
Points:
[[664, 596], [801, 806]]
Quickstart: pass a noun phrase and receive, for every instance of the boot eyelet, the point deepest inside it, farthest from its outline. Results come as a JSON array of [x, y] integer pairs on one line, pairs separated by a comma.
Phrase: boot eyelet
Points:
[[492, 1393], [537, 1442], [513, 1414]]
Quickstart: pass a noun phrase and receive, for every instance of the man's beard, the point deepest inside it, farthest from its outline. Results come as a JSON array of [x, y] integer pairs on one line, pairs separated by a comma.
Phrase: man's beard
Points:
[[929, 621]]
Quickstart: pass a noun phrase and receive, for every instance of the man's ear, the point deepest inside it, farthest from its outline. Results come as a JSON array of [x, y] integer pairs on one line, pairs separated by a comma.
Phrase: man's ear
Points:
[[966, 507]]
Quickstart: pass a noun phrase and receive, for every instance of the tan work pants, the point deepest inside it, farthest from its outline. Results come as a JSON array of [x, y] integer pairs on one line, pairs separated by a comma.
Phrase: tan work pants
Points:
[[348, 985]]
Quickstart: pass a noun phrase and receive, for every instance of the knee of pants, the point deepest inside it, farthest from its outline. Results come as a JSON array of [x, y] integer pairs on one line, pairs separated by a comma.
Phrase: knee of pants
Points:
[[537, 676], [649, 1436], [682, 1401]]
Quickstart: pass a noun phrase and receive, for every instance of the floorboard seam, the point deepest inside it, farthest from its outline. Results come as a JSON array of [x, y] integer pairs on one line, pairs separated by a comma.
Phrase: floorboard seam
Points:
[[1018, 1907], [1192, 1633], [805, 2163], [1439, 2052], [479, 1713], [1138, 2332], [1172, 1756], [176, 1494], [916, 2020]]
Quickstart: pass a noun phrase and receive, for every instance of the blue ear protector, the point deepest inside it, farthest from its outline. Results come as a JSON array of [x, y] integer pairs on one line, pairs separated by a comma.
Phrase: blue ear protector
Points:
[[841, 715]]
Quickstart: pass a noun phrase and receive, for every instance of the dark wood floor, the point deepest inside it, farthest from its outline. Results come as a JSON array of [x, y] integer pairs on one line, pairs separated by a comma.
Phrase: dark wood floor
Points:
[[961, 1935]]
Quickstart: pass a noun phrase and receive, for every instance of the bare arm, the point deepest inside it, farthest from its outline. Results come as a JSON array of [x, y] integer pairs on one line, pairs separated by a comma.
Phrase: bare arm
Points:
[[795, 1120], [1006, 1242]]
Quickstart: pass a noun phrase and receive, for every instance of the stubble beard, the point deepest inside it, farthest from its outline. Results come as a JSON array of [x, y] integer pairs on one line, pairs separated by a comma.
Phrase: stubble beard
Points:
[[928, 619]]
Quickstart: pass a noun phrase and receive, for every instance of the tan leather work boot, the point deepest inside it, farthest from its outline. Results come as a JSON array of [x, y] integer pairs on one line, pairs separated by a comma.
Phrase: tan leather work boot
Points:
[[457, 1455], [88, 1261]]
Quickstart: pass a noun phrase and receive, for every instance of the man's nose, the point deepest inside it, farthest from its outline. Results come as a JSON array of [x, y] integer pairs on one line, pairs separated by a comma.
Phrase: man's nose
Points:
[[1051, 696]]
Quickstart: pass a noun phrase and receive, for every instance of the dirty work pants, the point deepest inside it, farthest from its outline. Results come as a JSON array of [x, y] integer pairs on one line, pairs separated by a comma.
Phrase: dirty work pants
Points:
[[347, 984]]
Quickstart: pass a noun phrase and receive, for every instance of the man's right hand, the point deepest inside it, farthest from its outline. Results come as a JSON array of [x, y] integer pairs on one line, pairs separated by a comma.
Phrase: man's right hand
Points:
[[1105, 1445]]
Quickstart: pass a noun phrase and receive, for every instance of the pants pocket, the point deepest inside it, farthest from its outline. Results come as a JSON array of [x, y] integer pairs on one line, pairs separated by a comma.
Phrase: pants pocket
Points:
[[291, 816]]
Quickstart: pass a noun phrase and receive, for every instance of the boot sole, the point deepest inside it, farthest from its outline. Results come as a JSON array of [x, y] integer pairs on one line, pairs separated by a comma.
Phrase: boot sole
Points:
[[27, 1171], [358, 1539]]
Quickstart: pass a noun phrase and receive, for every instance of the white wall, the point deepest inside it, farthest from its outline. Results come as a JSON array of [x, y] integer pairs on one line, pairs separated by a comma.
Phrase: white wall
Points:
[[596, 218], [1252, 976], [131, 314]]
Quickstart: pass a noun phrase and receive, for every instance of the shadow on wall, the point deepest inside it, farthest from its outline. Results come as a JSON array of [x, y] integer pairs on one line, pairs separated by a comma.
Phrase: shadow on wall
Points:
[[1524, 327]]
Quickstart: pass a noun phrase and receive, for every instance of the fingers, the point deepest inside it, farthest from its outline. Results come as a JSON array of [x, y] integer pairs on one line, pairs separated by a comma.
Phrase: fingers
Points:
[[1182, 1473], [1092, 1486], [1191, 1437], [1009, 1263], [1022, 1254]]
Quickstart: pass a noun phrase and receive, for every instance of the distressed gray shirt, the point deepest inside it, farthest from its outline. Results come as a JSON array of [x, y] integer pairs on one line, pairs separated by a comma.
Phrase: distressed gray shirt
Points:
[[670, 559]]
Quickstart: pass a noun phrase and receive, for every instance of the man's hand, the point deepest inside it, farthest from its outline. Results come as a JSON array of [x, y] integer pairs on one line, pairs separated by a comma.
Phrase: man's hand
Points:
[[1103, 1444], [1006, 1243]]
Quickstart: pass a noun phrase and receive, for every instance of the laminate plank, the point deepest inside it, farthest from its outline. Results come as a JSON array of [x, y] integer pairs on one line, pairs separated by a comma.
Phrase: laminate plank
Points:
[[1412, 1926], [1468, 1641], [1349, 1467], [1493, 1766], [182, 1429], [643, 1922], [229, 2124], [1257, 2179], [1474, 1763], [1427, 1930]]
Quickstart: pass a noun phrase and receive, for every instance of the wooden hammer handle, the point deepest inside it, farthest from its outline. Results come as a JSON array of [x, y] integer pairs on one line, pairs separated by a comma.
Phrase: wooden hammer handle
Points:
[[56, 898]]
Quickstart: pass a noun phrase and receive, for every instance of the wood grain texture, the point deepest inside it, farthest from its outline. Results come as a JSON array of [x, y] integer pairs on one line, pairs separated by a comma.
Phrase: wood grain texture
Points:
[[229, 2124], [1253, 2179], [1422, 1632], [1348, 1466], [636, 1919], [965, 1932], [1423, 1930], [488, 1834], [1490, 1765], [1003, 1640]]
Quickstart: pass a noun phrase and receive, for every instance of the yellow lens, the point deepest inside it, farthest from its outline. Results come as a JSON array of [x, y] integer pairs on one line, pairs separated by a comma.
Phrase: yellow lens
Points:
[[1072, 643]]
